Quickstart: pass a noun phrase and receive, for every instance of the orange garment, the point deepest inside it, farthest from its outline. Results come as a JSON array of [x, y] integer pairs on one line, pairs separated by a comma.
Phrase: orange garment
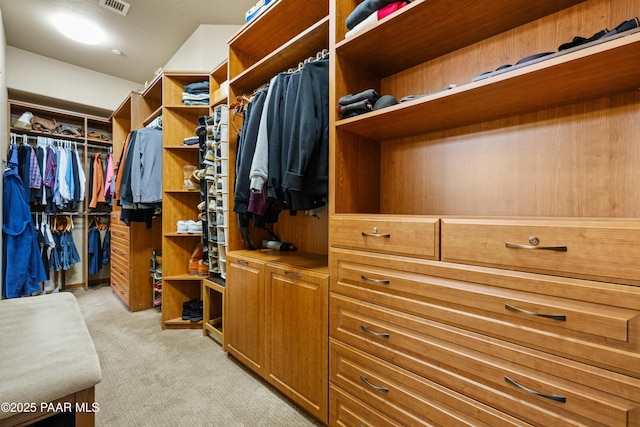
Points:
[[120, 164], [97, 192]]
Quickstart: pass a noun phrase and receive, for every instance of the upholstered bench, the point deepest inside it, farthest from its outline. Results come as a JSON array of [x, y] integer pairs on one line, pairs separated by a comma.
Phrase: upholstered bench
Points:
[[48, 363]]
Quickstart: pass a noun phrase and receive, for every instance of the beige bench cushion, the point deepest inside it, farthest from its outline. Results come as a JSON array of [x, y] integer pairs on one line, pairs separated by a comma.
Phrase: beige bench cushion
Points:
[[46, 351]]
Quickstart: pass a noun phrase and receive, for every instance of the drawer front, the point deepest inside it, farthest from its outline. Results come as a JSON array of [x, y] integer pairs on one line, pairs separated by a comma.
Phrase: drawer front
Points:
[[120, 268], [120, 235], [490, 371], [347, 411], [119, 249], [600, 250], [405, 396], [396, 234], [607, 336], [120, 287]]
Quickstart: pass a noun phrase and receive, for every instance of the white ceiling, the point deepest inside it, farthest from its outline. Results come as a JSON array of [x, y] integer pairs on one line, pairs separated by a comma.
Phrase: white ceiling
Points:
[[148, 36]]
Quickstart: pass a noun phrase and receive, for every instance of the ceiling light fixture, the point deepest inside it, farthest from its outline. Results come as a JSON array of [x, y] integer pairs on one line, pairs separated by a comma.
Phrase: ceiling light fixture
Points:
[[79, 29]]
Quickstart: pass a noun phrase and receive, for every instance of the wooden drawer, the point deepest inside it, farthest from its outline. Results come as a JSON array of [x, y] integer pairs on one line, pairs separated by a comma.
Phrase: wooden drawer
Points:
[[120, 235], [120, 268], [599, 250], [119, 250], [396, 234], [405, 396], [607, 335], [483, 368], [120, 287], [347, 411]]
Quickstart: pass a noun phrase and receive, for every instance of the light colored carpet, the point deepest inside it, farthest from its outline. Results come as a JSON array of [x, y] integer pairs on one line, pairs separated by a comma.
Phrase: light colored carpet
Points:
[[152, 377]]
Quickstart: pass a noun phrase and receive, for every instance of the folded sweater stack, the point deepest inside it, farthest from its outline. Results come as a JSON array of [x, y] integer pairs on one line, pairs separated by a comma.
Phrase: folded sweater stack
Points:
[[367, 13], [196, 93]]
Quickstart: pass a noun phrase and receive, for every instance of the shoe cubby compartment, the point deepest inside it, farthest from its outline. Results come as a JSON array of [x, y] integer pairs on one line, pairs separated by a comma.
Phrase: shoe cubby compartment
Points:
[[213, 309]]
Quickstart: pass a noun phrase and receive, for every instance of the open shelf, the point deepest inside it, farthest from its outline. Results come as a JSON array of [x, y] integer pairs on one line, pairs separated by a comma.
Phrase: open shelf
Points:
[[388, 46], [564, 78]]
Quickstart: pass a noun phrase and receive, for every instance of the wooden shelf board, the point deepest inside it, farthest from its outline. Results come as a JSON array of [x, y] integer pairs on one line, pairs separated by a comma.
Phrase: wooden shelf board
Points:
[[308, 43], [389, 47], [265, 33], [183, 147], [183, 277], [170, 235], [182, 324], [565, 78]]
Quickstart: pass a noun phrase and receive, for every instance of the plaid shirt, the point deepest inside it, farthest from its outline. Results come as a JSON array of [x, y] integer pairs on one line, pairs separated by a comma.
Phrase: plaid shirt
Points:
[[35, 175], [50, 168]]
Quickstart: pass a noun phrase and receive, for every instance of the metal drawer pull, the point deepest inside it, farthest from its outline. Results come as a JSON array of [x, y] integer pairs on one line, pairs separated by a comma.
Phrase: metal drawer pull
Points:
[[243, 262], [559, 317], [378, 334], [375, 387], [560, 399], [375, 234], [369, 279], [296, 275], [534, 241]]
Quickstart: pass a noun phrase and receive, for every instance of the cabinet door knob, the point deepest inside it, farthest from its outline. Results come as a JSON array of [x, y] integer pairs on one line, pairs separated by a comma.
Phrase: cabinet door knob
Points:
[[556, 398], [559, 317], [377, 334], [375, 387]]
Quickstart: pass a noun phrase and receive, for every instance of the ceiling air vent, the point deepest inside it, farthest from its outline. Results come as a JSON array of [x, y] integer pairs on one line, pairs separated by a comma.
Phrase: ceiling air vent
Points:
[[116, 6]]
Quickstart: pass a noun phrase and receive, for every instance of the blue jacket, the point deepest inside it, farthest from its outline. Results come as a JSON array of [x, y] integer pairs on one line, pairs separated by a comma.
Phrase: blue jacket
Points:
[[22, 264]]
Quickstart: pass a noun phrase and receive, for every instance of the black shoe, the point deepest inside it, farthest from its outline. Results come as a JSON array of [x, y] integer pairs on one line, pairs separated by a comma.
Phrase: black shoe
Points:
[[187, 309], [196, 311]]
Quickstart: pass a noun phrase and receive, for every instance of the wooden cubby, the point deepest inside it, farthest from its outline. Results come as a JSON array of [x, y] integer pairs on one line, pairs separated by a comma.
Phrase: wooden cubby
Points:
[[179, 122]]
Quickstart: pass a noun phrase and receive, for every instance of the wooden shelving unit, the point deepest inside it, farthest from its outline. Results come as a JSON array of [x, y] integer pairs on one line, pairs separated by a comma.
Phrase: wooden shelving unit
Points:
[[131, 246], [475, 232], [261, 284], [179, 122], [78, 275]]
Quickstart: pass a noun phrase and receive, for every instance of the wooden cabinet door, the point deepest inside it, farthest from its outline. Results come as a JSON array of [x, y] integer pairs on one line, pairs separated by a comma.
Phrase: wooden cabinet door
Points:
[[245, 311], [297, 336]]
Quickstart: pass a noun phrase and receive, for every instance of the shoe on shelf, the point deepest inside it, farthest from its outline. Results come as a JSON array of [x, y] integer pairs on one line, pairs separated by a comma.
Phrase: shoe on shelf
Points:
[[157, 274], [194, 227], [183, 226], [196, 256], [196, 311], [202, 205], [203, 268], [209, 158], [212, 205], [210, 175], [187, 309]]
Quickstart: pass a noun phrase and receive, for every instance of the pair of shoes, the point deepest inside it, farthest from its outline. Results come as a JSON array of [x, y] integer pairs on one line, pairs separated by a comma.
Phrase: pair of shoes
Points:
[[196, 257], [209, 157], [203, 268], [196, 176], [189, 226], [210, 175], [192, 310], [157, 274]]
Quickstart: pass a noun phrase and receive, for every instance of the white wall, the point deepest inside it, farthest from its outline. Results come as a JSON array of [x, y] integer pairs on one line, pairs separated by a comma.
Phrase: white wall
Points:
[[37, 74], [204, 50]]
